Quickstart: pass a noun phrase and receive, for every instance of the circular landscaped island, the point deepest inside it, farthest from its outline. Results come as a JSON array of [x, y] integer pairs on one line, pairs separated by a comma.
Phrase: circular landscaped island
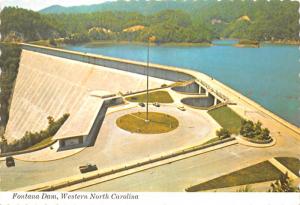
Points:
[[158, 123]]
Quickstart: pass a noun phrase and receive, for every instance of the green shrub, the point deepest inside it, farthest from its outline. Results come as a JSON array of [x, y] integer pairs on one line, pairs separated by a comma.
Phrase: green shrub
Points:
[[30, 139], [284, 184], [223, 133], [254, 130], [52, 42]]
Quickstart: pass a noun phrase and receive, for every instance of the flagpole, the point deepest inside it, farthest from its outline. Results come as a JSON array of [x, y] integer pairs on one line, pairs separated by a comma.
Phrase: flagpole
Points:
[[147, 106]]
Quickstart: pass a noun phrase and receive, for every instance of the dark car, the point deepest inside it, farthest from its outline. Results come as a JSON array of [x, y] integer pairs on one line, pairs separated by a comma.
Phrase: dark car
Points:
[[156, 104], [10, 162], [142, 104], [88, 168]]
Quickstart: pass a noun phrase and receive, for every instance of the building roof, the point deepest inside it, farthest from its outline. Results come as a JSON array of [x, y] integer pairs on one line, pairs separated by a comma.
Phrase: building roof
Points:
[[81, 122]]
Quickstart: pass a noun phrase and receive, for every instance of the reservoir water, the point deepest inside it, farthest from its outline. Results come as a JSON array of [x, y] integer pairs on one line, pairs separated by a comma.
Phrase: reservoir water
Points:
[[269, 75]]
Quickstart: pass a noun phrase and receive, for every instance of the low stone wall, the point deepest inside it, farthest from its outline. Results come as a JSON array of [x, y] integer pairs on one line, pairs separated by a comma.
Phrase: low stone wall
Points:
[[202, 102], [257, 141]]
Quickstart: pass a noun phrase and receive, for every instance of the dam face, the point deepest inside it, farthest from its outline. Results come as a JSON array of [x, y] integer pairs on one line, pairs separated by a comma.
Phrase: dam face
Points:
[[48, 85]]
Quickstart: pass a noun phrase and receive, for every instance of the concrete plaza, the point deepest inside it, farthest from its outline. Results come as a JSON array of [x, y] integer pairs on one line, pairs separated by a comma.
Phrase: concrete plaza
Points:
[[113, 146]]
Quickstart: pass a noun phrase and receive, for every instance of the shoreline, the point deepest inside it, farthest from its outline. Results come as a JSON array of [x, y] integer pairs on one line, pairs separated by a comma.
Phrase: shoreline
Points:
[[187, 44], [284, 42], [94, 44], [238, 45]]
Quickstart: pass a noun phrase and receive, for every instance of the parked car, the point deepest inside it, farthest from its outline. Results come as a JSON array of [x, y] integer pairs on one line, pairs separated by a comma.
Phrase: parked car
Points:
[[10, 162], [88, 168], [182, 108], [142, 104], [156, 104]]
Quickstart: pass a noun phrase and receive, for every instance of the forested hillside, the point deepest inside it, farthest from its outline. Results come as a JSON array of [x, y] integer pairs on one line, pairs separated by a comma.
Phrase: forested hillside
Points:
[[26, 25], [266, 20], [191, 22], [141, 6], [9, 63]]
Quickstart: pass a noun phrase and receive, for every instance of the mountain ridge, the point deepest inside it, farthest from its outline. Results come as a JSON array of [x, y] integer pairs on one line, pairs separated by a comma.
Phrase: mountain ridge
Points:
[[141, 6]]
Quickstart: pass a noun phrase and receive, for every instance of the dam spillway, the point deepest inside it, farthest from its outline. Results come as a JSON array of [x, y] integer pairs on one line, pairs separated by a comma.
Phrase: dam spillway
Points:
[[49, 85]]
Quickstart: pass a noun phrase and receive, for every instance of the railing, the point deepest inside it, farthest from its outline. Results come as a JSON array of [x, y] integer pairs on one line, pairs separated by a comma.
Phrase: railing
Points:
[[210, 89]]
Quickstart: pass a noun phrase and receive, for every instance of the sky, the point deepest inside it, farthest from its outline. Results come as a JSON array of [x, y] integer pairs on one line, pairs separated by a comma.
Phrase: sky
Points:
[[37, 5]]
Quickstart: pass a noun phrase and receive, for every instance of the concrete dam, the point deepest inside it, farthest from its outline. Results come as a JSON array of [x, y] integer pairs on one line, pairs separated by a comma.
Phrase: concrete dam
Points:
[[51, 85], [52, 82]]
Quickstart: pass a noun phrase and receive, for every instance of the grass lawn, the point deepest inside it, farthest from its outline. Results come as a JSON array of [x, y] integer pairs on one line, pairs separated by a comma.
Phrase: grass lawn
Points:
[[157, 96], [44, 142], [260, 172], [227, 118], [159, 123], [293, 164]]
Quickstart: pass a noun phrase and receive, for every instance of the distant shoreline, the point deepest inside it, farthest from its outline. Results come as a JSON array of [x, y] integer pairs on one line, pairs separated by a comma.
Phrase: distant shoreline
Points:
[[99, 43], [183, 44], [283, 42], [188, 44]]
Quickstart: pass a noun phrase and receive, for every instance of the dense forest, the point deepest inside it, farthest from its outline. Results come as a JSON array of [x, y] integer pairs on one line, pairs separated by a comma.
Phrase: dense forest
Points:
[[141, 6], [260, 21], [9, 63]]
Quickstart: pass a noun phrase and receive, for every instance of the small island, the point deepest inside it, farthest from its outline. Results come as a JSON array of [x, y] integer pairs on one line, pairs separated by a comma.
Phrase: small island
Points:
[[247, 43]]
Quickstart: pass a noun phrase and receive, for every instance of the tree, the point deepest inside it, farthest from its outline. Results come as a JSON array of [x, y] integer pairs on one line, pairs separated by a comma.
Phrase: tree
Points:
[[52, 42], [247, 129], [284, 184], [265, 134], [246, 188], [9, 63], [29, 139], [254, 131], [223, 133]]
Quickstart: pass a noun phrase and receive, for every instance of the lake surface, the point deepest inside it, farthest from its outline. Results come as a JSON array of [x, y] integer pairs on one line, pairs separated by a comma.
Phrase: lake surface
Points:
[[269, 75]]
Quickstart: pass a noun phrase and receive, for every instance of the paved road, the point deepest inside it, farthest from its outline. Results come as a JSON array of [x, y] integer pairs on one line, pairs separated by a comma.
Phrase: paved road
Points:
[[181, 174], [113, 147]]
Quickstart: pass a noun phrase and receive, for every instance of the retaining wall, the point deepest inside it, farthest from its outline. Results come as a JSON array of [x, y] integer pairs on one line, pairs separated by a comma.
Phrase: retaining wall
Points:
[[199, 102], [192, 88]]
